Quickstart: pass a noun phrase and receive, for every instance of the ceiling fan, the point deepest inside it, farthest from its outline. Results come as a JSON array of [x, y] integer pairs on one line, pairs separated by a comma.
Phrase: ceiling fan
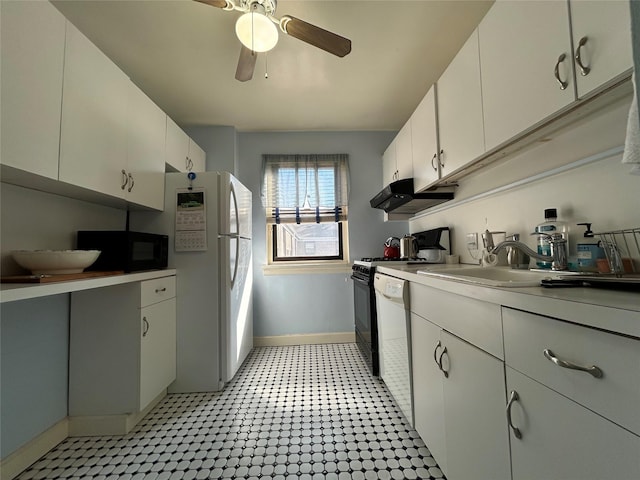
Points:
[[257, 31]]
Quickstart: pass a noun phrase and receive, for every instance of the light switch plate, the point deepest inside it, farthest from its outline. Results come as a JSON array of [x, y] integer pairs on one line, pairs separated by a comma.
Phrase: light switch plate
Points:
[[472, 241]]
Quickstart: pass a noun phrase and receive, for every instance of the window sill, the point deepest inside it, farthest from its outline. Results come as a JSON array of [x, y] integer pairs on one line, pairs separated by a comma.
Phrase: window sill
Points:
[[300, 268]]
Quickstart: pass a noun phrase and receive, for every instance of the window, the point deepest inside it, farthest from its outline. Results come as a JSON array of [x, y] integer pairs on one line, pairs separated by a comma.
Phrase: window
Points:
[[305, 198]]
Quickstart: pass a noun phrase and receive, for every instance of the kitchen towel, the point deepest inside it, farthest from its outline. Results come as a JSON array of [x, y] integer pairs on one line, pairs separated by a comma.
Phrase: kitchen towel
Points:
[[631, 153]]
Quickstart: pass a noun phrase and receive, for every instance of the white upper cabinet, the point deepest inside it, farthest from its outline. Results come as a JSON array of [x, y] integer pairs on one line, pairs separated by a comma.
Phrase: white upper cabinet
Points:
[[389, 169], [404, 152], [460, 123], [526, 66], [182, 154], [93, 139], [145, 150], [601, 41], [197, 157], [33, 35], [424, 142]]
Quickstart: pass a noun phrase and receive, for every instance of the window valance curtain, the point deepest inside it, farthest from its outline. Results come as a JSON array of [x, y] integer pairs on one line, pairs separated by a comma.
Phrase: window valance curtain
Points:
[[305, 188]]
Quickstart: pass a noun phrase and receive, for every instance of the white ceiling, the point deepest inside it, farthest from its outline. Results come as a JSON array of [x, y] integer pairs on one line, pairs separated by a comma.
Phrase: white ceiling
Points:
[[183, 54]]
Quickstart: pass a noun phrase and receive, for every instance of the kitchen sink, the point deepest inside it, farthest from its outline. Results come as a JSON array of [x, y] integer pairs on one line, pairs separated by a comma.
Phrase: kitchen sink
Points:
[[491, 276]]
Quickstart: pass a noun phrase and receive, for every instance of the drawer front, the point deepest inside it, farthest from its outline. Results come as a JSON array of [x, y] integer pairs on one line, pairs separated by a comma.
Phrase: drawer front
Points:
[[615, 395], [477, 322], [157, 290]]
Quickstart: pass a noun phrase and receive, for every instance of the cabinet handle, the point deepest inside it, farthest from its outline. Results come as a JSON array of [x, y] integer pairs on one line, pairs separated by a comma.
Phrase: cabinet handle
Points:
[[592, 370], [435, 354], [435, 155], [441, 159], [444, 372], [125, 180], [186, 163], [513, 398], [145, 326], [131, 183], [163, 289], [556, 72], [584, 70]]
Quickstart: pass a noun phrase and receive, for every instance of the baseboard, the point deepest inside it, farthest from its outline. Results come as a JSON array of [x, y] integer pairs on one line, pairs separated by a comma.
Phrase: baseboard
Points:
[[109, 424], [305, 339], [30, 452]]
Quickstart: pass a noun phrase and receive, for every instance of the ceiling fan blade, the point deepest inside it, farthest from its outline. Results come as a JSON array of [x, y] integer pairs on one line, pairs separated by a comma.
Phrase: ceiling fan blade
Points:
[[214, 3], [246, 64], [316, 36]]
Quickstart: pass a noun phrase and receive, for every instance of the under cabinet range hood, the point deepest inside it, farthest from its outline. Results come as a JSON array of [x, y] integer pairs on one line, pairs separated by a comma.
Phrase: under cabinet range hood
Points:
[[399, 197]]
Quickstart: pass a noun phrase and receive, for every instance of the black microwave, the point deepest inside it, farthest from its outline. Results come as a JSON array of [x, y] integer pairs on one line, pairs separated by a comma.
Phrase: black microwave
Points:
[[124, 250]]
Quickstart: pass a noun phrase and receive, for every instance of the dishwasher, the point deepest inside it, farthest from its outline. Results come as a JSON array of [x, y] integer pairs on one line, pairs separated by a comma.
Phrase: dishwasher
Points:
[[394, 339]]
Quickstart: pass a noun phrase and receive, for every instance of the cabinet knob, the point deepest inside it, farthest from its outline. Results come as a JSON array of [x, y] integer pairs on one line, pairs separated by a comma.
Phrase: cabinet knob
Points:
[[512, 399], [556, 72], [584, 70]]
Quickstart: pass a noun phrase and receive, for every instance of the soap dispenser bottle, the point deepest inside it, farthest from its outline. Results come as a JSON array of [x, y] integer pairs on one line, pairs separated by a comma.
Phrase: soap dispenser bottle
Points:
[[589, 251]]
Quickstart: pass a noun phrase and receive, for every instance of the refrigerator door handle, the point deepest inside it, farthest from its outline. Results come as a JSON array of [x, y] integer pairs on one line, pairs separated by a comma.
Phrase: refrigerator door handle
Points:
[[237, 260], [234, 209]]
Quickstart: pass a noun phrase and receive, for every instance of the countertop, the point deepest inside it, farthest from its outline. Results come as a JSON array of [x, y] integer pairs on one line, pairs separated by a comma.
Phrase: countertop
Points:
[[12, 292], [615, 311]]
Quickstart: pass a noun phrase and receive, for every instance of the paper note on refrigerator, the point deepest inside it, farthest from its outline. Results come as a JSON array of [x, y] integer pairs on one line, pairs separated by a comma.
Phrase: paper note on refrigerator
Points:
[[191, 220]]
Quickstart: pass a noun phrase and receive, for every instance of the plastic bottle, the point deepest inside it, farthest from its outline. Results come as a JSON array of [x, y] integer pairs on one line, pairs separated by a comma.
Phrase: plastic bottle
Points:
[[589, 251], [551, 225]]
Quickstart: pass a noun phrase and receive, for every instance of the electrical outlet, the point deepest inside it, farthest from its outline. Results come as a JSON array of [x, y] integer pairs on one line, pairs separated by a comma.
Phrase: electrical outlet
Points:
[[472, 241]]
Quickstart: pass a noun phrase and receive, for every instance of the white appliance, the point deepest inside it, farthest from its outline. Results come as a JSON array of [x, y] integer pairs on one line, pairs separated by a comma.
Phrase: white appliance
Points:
[[210, 247], [394, 339]]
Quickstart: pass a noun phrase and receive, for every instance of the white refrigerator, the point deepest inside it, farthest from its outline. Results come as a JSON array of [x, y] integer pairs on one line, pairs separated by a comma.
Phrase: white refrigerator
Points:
[[208, 220]]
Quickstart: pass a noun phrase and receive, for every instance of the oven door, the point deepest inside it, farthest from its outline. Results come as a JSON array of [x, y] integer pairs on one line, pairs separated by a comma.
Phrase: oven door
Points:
[[366, 325]]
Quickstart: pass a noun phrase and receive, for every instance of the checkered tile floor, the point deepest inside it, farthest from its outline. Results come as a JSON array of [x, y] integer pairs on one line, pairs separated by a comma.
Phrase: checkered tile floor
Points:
[[297, 412]]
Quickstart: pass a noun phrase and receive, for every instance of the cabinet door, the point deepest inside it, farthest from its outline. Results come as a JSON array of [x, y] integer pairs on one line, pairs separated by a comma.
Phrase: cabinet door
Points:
[[520, 46], [404, 152], [157, 349], [606, 52], [389, 170], [146, 126], [561, 439], [476, 425], [32, 67], [177, 147], [197, 156], [93, 140], [428, 401], [460, 124], [424, 142]]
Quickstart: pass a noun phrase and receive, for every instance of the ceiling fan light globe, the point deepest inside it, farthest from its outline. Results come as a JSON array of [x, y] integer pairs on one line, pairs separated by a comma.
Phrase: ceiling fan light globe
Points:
[[257, 32]]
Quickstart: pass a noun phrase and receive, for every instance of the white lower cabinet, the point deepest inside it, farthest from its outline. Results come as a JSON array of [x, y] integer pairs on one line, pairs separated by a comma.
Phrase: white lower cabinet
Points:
[[428, 396], [475, 422], [122, 351], [563, 440], [459, 388], [575, 399]]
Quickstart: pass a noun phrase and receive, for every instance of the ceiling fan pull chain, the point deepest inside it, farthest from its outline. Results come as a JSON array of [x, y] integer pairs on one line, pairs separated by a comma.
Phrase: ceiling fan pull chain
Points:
[[266, 66]]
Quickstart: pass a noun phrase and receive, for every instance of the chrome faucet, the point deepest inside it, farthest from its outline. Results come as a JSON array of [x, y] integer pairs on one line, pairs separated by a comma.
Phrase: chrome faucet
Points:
[[558, 257]]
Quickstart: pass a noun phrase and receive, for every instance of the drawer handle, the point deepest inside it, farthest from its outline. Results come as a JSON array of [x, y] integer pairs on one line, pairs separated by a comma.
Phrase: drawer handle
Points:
[[584, 70], [163, 289], [556, 72], [592, 370], [145, 326], [513, 398], [446, 374]]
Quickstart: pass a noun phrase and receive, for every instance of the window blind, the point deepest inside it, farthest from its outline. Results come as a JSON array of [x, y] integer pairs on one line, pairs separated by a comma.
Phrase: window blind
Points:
[[305, 188]]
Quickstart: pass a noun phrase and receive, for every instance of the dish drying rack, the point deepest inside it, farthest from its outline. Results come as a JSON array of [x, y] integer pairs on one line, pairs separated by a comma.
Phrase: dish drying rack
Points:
[[622, 249]]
